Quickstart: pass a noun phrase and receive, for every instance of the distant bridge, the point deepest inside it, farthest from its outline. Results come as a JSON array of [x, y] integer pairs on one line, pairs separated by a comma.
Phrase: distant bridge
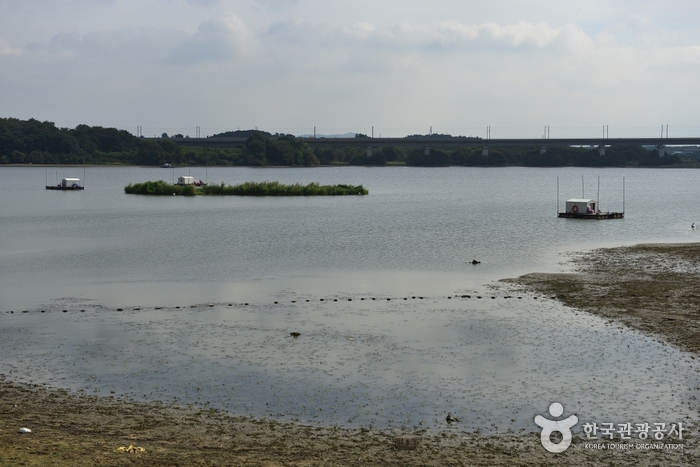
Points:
[[429, 142]]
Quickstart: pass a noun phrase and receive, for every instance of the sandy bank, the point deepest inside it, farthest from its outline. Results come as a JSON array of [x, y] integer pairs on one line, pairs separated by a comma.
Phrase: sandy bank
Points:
[[652, 288]]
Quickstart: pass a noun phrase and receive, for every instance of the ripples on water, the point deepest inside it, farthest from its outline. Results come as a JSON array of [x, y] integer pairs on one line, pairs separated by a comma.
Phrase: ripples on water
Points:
[[495, 362], [388, 363]]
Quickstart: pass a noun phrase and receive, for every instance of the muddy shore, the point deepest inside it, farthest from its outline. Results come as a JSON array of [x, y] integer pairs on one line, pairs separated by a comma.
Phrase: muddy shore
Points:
[[74, 430], [651, 288]]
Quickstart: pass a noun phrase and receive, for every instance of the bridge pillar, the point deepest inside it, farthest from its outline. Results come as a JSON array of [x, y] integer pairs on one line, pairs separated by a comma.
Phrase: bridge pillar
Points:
[[426, 151], [485, 151], [662, 150], [369, 152], [543, 149], [601, 150]]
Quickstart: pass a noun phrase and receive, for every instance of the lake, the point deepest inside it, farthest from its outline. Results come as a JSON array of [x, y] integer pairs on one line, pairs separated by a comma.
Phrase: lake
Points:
[[182, 270]]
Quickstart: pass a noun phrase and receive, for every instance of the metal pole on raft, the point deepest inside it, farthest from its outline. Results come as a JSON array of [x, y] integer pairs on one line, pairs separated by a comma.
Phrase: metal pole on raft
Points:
[[582, 196], [557, 195], [598, 200], [623, 195]]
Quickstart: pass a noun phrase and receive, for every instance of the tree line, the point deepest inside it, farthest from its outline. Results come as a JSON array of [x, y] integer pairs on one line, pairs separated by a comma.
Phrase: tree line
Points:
[[34, 142]]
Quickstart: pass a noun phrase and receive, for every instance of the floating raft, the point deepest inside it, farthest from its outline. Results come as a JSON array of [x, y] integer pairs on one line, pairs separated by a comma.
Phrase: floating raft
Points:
[[67, 184], [58, 187], [587, 209], [602, 215]]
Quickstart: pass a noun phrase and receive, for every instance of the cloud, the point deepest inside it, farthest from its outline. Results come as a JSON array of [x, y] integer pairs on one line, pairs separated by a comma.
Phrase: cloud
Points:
[[307, 47], [66, 44], [114, 48], [520, 70], [277, 4], [638, 21], [7, 49], [447, 36], [521, 35], [309, 61], [219, 39]]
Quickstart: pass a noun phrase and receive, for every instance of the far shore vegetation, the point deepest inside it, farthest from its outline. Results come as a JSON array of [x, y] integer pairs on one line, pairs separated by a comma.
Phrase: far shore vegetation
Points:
[[34, 142], [161, 188]]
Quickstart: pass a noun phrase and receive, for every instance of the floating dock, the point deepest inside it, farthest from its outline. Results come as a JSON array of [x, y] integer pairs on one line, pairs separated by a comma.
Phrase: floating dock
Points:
[[69, 188], [67, 184], [601, 215], [586, 208]]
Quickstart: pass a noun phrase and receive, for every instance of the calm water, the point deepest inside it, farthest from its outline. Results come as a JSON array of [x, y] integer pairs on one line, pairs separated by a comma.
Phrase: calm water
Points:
[[414, 233], [392, 362]]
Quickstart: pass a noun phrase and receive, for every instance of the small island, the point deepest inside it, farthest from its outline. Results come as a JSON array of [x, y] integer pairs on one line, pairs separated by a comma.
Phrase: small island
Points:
[[162, 188]]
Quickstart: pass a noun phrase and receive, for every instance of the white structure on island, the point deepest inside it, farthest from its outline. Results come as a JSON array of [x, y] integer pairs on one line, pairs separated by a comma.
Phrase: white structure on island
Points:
[[185, 180]]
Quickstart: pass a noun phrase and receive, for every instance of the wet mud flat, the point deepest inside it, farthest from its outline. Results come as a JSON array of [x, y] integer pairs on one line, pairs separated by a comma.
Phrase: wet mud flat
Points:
[[79, 430], [653, 288], [493, 360], [78, 376]]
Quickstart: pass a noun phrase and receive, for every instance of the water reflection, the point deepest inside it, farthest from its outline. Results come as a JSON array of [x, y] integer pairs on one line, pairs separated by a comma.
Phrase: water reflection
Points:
[[494, 362], [426, 221], [386, 363]]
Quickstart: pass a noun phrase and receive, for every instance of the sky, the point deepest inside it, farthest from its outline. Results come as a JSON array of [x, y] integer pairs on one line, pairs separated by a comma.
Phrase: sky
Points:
[[396, 66]]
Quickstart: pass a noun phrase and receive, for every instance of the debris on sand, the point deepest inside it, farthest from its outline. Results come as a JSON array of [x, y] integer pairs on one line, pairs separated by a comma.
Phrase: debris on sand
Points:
[[131, 448]]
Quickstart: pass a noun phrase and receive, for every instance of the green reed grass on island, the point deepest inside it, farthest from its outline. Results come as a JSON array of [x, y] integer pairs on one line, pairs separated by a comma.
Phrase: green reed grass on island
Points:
[[162, 188]]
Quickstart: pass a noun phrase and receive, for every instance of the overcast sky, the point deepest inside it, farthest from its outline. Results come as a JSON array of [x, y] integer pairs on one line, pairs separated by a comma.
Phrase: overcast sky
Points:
[[401, 66]]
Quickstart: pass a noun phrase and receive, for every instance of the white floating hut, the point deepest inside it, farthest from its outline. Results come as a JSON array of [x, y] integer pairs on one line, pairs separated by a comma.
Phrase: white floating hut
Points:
[[581, 206], [585, 208], [70, 182], [185, 180]]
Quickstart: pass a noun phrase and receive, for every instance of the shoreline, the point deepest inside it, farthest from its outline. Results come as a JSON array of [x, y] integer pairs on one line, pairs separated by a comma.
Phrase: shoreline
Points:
[[78, 430], [345, 164], [650, 288]]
